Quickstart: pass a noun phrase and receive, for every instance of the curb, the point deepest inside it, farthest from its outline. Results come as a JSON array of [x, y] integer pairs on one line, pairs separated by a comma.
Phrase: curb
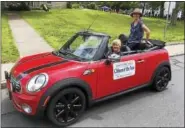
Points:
[[177, 55], [169, 44], [3, 84]]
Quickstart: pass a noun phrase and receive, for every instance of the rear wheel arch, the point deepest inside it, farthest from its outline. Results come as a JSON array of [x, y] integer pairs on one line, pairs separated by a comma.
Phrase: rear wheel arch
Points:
[[163, 64]]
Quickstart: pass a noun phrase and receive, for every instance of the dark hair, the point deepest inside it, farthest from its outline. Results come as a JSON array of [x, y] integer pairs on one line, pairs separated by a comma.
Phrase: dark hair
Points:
[[123, 39]]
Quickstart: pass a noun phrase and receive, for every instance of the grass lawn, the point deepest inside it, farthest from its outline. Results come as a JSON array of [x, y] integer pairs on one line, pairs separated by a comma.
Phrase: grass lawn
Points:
[[9, 51], [57, 26]]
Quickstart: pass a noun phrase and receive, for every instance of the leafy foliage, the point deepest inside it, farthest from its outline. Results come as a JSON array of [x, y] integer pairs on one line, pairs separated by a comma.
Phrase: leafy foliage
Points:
[[18, 6], [92, 6], [69, 5], [177, 8], [75, 6]]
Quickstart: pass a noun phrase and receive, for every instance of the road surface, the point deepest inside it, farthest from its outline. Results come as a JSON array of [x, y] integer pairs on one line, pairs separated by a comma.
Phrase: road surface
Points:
[[142, 108]]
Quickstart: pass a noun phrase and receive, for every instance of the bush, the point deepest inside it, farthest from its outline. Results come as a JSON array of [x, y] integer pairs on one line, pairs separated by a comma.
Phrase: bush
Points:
[[69, 5], [75, 6], [92, 6], [18, 6]]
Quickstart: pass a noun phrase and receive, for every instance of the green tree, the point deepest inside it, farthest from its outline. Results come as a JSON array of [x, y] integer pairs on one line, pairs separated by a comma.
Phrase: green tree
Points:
[[161, 9], [182, 8], [125, 5], [177, 8], [143, 6], [69, 5], [153, 5]]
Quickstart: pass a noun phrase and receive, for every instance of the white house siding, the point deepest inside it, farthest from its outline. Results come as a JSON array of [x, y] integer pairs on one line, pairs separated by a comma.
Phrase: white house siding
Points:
[[58, 4], [165, 12], [37, 4], [166, 5]]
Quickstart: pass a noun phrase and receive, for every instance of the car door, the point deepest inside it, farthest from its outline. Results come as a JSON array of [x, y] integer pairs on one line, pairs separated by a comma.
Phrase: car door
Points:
[[138, 77], [116, 77]]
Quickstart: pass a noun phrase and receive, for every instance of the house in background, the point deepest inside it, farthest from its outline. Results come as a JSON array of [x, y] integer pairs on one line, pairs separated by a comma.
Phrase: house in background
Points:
[[167, 5], [36, 4], [51, 4], [171, 5]]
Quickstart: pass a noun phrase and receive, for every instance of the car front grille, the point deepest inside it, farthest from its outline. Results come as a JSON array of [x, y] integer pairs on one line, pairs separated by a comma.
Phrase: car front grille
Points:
[[16, 87]]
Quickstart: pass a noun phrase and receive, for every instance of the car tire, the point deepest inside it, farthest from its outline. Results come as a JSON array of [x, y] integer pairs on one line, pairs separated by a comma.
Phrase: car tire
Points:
[[66, 107], [161, 79]]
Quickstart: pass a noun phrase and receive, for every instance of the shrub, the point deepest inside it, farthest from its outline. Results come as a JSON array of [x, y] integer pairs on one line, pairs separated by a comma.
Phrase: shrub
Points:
[[69, 5], [92, 6], [18, 6], [75, 6]]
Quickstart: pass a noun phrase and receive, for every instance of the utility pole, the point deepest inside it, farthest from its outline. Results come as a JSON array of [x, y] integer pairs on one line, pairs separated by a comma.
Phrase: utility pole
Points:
[[166, 25]]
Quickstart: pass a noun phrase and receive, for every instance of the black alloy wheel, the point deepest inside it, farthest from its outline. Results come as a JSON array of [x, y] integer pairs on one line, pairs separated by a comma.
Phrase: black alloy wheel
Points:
[[162, 79], [66, 107]]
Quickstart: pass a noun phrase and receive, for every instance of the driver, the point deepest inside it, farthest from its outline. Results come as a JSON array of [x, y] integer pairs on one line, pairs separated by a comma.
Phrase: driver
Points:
[[116, 47]]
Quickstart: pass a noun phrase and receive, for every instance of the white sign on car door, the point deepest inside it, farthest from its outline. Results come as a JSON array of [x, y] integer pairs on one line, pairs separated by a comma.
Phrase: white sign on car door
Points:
[[123, 69]]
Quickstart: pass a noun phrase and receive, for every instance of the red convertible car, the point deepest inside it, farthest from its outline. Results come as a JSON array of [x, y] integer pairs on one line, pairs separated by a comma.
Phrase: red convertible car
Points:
[[63, 83]]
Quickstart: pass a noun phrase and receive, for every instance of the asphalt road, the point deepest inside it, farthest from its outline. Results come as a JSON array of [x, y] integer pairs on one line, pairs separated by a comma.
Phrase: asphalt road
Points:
[[142, 108]]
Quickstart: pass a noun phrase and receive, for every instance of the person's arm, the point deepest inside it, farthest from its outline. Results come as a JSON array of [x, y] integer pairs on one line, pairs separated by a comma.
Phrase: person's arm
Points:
[[147, 31]]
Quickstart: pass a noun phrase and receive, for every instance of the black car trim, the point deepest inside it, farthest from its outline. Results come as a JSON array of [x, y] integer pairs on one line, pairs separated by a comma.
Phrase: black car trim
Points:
[[102, 48], [58, 86], [39, 67], [44, 66], [119, 93], [20, 76], [7, 76], [33, 58]]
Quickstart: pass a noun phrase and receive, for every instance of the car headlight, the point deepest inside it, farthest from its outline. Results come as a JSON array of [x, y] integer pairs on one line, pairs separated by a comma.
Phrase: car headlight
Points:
[[37, 82]]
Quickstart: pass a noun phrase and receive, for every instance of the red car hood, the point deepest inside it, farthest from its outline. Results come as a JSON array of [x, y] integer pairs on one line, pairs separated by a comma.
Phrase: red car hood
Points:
[[35, 62]]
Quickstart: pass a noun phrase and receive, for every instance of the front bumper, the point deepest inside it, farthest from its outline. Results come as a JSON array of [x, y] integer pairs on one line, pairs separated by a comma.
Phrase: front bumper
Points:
[[20, 99]]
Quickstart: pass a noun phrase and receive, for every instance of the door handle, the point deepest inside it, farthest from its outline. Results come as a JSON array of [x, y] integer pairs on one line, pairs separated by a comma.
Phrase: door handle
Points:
[[140, 61]]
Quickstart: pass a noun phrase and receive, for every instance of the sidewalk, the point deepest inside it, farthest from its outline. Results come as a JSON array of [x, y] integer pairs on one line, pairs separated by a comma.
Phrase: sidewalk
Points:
[[172, 49], [175, 49], [27, 40]]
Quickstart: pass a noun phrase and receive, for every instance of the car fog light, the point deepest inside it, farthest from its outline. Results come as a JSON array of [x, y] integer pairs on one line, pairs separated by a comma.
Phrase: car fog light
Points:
[[26, 108]]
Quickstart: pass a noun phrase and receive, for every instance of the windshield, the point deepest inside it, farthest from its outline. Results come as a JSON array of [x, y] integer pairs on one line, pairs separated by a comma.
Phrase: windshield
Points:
[[83, 46]]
